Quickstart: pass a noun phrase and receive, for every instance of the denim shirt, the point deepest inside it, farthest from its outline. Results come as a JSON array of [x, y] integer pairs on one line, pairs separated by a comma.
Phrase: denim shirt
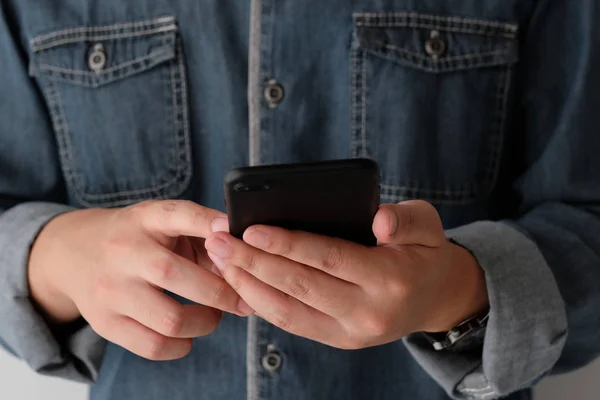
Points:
[[487, 109]]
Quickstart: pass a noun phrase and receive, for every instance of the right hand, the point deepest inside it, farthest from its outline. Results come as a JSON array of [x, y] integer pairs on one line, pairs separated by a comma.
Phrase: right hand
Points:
[[111, 266]]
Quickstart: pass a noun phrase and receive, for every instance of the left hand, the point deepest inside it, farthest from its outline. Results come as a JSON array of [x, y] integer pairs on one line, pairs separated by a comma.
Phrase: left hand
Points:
[[351, 296]]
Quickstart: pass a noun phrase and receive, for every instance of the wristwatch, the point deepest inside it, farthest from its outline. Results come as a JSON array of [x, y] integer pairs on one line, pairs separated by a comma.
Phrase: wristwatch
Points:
[[466, 335]]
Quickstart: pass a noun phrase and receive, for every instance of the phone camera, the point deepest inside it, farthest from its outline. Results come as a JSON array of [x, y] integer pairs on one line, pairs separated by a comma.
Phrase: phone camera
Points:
[[240, 187]]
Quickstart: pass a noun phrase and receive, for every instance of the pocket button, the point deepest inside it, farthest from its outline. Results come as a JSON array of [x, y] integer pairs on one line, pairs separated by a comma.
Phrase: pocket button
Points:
[[435, 46], [97, 58]]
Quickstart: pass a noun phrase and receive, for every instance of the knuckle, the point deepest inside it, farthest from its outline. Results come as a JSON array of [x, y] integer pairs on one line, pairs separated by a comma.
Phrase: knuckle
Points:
[[200, 214], [173, 322], [353, 343], [219, 293], [114, 243], [164, 268], [285, 245], [156, 347], [136, 211], [169, 207], [375, 326], [282, 320], [298, 286], [235, 280], [396, 288], [251, 264], [333, 260], [103, 287]]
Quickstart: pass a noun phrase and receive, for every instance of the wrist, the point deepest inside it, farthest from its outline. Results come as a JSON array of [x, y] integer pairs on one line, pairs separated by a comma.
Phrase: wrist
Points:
[[465, 292], [43, 276]]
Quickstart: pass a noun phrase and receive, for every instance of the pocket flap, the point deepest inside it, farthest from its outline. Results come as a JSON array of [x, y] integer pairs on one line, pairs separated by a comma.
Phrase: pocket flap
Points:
[[97, 55], [436, 43]]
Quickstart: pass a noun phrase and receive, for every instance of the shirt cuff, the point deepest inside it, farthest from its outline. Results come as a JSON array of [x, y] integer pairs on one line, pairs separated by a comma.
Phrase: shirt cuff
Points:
[[23, 331], [527, 326]]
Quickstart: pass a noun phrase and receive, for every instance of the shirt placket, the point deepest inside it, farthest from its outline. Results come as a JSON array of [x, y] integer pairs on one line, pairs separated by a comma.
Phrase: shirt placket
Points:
[[263, 94]]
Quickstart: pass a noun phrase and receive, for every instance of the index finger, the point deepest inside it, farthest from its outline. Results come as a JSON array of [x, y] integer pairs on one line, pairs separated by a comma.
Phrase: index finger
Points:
[[340, 258], [175, 218]]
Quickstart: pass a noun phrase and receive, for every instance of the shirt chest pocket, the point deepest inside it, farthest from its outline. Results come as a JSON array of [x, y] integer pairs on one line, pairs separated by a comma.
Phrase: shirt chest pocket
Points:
[[429, 96], [117, 98]]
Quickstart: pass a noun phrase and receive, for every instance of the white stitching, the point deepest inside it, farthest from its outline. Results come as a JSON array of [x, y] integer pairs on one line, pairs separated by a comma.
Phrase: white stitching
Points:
[[186, 125], [47, 67], [64, 139], [440, 18], [441, 60], [65, 150], [86, 37], [354, 94], [445, 196], [440, 67], [449, 201], [438, 27], [86, 29], [364, 104], [495, 159], [58, 118], [176, 122], [133, 193], [440, 192]]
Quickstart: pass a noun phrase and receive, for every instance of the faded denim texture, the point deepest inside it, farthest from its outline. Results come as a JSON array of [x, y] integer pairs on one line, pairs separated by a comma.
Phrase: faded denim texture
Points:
[[488, 109]]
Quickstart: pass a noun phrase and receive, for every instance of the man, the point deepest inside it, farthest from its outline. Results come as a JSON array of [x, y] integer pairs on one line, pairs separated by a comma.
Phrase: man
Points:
[[120, 119]]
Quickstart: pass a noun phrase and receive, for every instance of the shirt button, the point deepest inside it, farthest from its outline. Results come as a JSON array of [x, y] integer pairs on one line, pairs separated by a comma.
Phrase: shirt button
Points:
[[273, 93], [435, 45], [97, 58], [272, 360]]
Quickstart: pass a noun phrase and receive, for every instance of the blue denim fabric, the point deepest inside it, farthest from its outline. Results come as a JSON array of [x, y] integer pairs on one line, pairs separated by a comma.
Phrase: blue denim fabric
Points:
[[487, 109]]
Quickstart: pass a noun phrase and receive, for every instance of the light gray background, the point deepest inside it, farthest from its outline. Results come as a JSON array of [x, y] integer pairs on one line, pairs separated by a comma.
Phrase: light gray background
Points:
[[17, 382]]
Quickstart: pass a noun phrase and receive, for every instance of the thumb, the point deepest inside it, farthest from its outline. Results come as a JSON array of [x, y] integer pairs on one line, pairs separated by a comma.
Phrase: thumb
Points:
[[410, 222]]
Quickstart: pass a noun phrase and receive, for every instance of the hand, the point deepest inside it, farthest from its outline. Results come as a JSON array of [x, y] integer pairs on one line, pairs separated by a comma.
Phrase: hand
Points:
[[111, 267], [350, 296]]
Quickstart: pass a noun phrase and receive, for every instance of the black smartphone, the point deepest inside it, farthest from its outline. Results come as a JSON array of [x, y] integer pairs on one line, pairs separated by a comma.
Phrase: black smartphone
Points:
[[337, 198]]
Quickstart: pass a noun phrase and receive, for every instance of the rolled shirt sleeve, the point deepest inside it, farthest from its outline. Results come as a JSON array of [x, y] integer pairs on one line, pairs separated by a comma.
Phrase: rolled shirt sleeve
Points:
[[32, 191], [75, 355], [542, 265], [527, 326]]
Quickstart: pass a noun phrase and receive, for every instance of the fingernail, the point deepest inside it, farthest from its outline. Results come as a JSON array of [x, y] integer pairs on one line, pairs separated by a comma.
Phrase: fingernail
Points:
[[220, 224], [244, 309], [218, 247], [257, 238], [393, 220]]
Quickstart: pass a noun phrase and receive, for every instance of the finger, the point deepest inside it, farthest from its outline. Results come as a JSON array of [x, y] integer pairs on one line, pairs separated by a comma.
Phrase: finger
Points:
[[184, 248], [345, 260], [281, 310], [178, 275], [312, 287], [142, 340], [193, 249], [202, 258], [410, 222], [163, 314], [180, 218]]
